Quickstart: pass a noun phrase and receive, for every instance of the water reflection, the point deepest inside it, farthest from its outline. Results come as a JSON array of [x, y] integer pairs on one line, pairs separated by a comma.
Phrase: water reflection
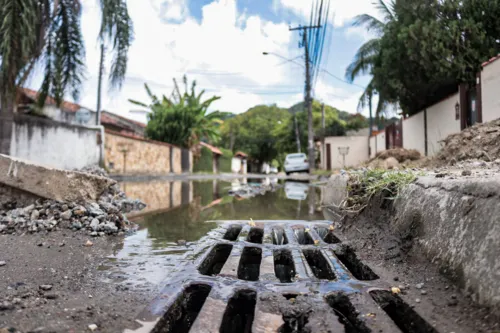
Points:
[[176, 214]]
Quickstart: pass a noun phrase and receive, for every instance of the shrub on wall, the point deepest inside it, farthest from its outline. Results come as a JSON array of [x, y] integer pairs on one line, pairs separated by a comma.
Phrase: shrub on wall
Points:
[[203, 163]]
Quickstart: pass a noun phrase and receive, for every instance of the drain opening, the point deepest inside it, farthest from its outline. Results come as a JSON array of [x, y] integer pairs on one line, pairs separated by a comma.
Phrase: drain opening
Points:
[[284, 267], [182, 314], [279, 237], [233, 232], [239, 314], [295, 322], [319, 265], [249, 266], [350, 260], [303, 237], [327, 235], [401, 313], [213, 263], [255, 235], [346, 313]]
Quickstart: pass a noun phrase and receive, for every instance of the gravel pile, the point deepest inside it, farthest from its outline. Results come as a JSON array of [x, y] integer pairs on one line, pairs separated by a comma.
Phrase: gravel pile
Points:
[[105, 217]]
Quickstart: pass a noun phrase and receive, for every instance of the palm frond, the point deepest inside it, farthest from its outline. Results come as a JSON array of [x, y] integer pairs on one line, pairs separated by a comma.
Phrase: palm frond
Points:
[[364, 59], [386, 9], [369, 22], [116, 28]]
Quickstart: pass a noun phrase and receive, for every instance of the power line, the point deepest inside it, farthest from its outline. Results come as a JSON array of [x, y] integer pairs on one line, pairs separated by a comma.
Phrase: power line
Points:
[[342, 80]]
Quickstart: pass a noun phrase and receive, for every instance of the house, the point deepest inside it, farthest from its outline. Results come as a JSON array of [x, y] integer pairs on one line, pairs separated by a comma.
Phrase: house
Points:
[[74, 114], [239, 163], [216, 154]]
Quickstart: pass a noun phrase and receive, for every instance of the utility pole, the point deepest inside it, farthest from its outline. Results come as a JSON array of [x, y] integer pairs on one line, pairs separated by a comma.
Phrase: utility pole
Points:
[[99, 87], [323, 125], [308, 100], [297, 132]]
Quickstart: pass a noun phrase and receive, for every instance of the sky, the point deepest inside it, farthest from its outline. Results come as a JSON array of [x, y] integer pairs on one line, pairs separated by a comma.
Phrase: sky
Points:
[[220, 44]]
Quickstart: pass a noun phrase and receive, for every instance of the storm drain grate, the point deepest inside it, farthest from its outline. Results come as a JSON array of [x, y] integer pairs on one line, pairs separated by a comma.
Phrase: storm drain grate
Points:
[[278, 276]]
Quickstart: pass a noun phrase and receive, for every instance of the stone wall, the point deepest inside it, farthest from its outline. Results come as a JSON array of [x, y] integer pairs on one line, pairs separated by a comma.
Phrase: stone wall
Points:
[[54, 144], [129, 155]]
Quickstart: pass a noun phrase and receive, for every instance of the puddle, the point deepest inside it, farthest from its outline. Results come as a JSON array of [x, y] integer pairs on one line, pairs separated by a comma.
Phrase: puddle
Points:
[[171, 227], [319, 265], [239, 314], [401, 313], [284, 267], [346, 313], [249, 266], [182, 314]]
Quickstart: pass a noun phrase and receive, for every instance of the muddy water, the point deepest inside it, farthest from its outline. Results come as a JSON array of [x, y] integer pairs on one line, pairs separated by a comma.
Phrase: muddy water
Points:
[[176, 216]]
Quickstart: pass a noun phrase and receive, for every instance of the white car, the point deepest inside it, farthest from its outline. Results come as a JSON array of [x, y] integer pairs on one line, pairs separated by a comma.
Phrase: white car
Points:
[[296, 190], [296, 163]]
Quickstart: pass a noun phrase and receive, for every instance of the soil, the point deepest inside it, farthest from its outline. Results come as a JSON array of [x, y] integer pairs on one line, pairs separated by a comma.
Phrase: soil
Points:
[[51, 283], [400, 154], [397, 258]]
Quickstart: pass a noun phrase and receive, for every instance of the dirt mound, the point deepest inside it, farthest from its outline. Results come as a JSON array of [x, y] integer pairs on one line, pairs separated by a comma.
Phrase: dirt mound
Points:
[[399, 154], [481, 141]]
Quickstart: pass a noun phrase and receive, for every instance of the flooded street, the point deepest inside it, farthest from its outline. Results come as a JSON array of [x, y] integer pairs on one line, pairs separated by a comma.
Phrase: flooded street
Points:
[[177, 214]]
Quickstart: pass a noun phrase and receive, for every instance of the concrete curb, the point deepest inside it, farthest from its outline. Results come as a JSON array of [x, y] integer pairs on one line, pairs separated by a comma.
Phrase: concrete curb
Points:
[[48, 183]]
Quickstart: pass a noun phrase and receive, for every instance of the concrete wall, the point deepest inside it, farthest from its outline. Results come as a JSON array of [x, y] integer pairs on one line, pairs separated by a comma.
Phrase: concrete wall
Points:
[[414, 133], [490, 87], [373, 148], [236, 164], [441, 122], [54, 144], [142, 156], [358, 150], [380, 142], [176, 160], [56, 114]]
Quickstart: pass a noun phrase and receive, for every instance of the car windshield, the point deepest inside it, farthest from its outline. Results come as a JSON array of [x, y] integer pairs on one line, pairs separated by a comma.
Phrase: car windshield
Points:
[[293, 157]]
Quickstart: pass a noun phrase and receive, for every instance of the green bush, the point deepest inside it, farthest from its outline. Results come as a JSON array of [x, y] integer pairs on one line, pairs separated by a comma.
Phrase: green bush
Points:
[[204, 162], [225, 160]]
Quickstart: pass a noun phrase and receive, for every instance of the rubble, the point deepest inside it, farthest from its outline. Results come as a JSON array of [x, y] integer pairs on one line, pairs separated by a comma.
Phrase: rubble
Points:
[[480, 142], [104, 217]]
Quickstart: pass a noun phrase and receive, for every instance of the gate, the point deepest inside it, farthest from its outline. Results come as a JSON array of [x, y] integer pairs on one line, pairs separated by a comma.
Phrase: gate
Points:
[[394, 135]]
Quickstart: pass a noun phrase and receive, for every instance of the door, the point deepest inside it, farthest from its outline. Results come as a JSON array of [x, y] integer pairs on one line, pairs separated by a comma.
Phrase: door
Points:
[[328, 157], [472, 116]]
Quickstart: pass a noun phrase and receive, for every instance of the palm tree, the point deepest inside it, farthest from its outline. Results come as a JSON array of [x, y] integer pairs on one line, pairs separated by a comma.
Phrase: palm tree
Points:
[[183, 119], [48, 32], [367, 54]]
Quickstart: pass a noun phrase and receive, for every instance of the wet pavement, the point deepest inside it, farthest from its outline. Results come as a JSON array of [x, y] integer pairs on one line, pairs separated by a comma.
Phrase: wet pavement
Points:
[[177, 214]]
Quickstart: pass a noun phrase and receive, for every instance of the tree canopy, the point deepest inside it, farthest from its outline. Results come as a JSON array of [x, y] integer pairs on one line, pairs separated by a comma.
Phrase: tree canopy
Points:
[[428, 47], [182, 120]]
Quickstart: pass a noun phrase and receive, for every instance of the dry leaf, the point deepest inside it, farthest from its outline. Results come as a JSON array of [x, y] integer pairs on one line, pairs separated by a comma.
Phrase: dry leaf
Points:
[[316, 242], [307, 230], [251, 223], [89, 243], [332, 227]]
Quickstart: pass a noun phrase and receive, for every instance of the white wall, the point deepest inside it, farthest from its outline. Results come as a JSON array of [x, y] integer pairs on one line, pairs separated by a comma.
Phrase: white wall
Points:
[[235, 164], [54, 144], [358, 150], [490, 91], [373, 148], [56, 114], [380, 142], [414, 133], [441, 122]]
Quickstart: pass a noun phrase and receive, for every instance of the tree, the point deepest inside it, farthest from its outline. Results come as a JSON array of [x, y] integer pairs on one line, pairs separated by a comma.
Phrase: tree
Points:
[[253, 131], [49, 32], [367, 56], [183, 120]]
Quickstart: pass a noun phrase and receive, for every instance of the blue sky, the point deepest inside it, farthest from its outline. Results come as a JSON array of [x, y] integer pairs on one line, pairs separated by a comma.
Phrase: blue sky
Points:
[[219, 43]]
